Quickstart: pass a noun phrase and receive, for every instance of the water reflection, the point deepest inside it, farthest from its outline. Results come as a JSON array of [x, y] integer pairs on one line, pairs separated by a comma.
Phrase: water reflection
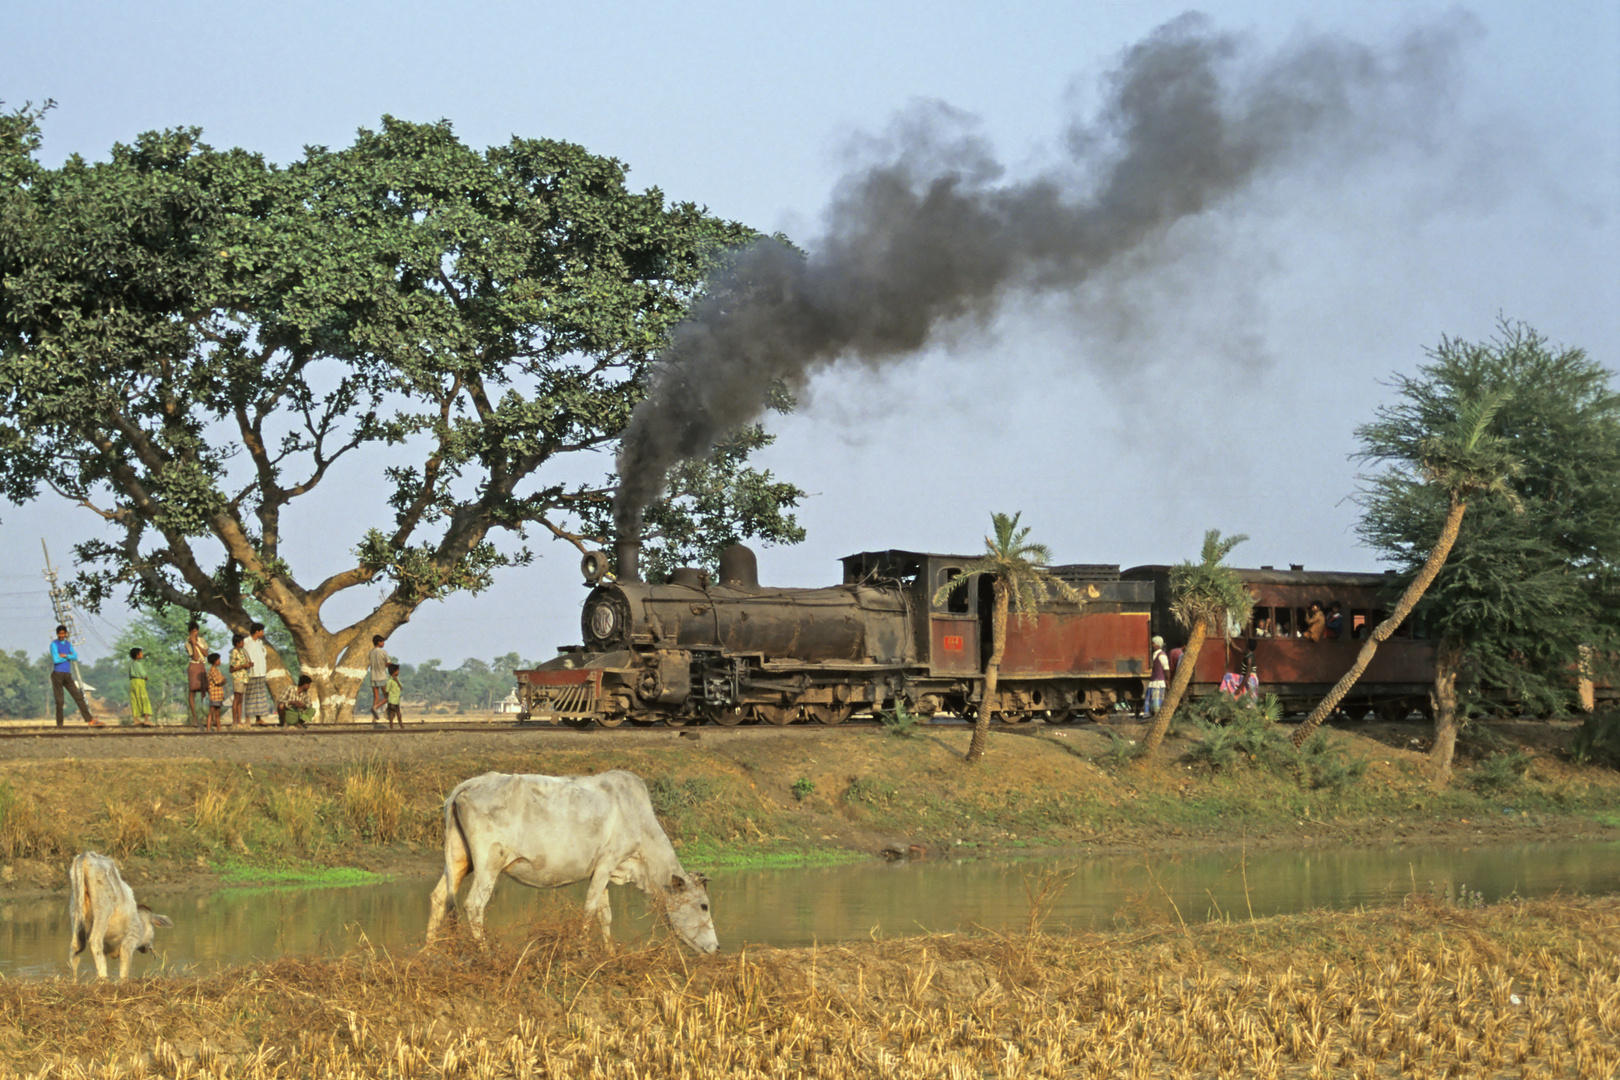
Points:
[[829, 904]]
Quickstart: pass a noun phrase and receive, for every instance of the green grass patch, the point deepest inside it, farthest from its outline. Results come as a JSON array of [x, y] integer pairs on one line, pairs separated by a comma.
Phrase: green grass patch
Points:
[[235, 873], [714, 855]]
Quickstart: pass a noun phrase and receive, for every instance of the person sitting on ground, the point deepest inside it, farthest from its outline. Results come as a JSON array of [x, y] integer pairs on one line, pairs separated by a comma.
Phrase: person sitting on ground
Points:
[[295, 707], [1334, 627]]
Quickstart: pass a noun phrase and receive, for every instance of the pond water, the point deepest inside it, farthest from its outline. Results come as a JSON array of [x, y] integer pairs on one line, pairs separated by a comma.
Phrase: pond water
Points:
[[831, 904]]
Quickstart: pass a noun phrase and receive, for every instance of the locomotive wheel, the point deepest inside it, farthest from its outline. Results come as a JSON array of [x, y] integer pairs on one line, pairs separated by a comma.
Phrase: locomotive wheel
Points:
[[829, 714], [777, 715], [610, 721], [1060, 716], [725, 715], [673, 719]]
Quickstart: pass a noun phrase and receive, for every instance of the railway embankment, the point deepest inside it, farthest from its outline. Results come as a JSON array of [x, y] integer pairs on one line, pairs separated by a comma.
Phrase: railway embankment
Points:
[[188, 811]]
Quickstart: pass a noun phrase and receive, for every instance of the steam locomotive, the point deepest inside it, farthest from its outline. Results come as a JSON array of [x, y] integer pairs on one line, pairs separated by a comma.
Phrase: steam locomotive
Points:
[[728, 651]]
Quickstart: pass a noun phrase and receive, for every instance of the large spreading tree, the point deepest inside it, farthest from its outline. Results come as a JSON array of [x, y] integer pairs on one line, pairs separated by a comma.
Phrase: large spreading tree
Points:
[[1529, 596], [192, 340]]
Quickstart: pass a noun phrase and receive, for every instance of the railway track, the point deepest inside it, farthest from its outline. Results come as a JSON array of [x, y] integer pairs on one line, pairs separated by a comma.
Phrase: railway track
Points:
[[185, 731]]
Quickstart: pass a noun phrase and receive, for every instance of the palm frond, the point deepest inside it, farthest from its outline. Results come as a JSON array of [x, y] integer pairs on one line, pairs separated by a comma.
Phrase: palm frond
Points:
[[1013, 558]]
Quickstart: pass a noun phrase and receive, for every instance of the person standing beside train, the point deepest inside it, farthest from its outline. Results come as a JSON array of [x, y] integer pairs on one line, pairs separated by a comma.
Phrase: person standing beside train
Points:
[[1158, 678], [257, 701], [377, 662], [196, 672]]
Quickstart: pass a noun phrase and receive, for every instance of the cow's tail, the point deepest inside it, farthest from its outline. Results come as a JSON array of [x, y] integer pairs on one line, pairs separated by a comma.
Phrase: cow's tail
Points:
[[457, 851], [79, 902], [457, 865]]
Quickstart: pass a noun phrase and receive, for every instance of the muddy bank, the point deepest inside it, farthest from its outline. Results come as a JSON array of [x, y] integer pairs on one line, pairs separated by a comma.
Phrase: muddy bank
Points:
[[186, 811]]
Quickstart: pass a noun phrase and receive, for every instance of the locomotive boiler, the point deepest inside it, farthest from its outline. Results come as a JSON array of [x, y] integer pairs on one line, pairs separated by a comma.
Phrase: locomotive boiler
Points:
[[729, 651]]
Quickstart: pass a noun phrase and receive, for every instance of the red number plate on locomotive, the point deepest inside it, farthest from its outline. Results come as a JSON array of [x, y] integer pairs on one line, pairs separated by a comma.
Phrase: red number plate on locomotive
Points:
[[952, 642]]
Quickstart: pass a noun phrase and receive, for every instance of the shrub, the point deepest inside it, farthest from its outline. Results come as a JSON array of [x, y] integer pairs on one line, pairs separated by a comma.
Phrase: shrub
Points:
[[672, 797], [863, 790], [25, 833], [803, 788], [901, 722], [1233, 732], [1499, 772], [222, 814], [372, 803], [298, 811], [1121, 751], [1323, 765], [129, 830], [1598, 740]]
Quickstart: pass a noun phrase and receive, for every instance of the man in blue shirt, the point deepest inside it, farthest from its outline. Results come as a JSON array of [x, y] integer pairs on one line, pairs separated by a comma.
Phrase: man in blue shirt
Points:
[[62, 657]]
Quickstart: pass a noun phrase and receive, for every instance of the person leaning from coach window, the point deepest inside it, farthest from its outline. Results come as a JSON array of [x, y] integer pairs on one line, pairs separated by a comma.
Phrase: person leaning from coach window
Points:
[[1315, 622]]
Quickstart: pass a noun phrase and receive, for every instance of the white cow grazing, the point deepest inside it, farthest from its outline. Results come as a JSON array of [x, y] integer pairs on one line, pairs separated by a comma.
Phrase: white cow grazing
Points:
[[105, 915], [547, 831]]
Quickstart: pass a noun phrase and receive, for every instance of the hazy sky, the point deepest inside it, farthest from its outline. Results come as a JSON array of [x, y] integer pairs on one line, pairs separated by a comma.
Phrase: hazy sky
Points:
[[1215, 384]]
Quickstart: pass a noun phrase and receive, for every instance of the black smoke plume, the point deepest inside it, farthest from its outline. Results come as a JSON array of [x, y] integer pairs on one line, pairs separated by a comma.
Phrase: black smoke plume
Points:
[[931, 236]]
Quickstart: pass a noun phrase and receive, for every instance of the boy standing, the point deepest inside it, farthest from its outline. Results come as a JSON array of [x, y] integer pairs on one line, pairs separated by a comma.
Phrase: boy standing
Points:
[[216, 691], [240, 665], [378, 663], [62, 657], [395, 692]]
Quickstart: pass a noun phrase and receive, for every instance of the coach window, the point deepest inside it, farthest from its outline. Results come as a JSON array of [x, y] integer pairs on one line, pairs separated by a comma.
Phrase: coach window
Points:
[[1358, 623]]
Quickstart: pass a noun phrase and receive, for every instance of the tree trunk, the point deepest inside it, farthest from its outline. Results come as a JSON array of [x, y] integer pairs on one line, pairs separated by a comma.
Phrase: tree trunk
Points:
[[1178, 687], [1443, 696], [1403, 607], [335, 687], [334, 661], [992, 667]]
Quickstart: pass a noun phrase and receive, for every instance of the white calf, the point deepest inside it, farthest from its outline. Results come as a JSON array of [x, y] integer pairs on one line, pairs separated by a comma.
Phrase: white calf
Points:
[[105, 915]]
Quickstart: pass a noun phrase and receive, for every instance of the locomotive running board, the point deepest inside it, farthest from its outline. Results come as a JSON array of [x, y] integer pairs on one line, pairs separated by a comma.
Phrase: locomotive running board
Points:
[[565, 694]]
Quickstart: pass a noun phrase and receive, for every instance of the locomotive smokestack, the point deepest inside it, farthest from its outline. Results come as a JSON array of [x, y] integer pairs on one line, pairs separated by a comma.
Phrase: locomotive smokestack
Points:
[[628, 555]]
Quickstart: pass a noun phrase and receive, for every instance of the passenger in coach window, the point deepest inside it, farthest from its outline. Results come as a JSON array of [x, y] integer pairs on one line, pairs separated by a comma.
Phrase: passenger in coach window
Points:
[[1315, 622]]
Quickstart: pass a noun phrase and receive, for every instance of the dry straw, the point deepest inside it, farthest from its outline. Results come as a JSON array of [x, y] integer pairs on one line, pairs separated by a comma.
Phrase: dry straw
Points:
[[1522, 990]]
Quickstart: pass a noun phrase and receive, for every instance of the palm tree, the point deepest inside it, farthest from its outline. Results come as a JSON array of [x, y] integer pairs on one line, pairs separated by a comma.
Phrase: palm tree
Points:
[[1204, 596], [1017, 583], [1463, 459]]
